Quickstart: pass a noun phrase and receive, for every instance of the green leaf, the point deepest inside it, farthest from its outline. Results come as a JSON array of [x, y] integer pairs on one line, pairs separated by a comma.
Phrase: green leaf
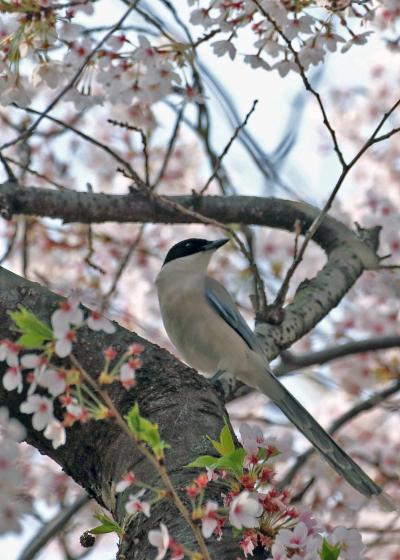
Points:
[[225, 445], [232, 462], [146, 431], [34, 332], [329, 551], [107, 525], [203, 461]]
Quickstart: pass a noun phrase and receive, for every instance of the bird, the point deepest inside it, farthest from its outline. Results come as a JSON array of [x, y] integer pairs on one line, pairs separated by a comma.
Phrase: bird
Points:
[[206, 327]]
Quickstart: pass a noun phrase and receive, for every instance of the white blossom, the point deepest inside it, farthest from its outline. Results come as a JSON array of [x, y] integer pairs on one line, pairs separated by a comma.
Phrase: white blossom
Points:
[[41, 408], [55, 432], [244, 510], [160, 539]]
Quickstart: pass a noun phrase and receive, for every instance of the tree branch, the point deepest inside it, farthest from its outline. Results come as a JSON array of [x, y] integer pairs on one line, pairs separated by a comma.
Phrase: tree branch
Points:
[[290, 362], [348, 254], [52, 528]]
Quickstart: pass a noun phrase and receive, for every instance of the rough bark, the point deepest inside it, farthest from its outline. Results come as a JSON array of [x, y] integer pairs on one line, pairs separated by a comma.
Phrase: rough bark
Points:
[[96, 454]]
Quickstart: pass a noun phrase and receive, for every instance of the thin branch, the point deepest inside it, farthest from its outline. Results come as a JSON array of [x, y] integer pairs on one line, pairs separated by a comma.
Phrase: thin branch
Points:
[[52, 528], [306, 82], [10, 245], [226, 149], [10, 174], [123, 265], [356, 410], [134, 176], [292, 362], [88, 258], [170, 147], [36, 173], [73, 81]]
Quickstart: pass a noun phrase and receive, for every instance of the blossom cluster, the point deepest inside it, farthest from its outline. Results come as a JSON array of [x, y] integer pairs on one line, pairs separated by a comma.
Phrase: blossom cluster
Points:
[[42, 44], [250, 504], [49, 383], [288, 34], [122, 70]]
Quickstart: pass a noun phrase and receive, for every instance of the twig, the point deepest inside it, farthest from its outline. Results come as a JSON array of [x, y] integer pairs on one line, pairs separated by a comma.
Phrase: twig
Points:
[[52, 528], [171, 145], [73, 81], [363, 406], [11, 244], [10, 174], [143, 137], [306, 82], [88, 258], [319, 219], [226, 149], [123, 265], [36, 173], [161, 470], [134, 176]]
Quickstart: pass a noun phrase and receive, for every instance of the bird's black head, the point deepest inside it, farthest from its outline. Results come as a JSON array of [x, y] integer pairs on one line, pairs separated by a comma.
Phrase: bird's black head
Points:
[[191, 246]]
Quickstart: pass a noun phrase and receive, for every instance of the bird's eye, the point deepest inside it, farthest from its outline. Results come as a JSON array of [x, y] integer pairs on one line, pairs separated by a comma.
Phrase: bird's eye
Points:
[[187, 245]]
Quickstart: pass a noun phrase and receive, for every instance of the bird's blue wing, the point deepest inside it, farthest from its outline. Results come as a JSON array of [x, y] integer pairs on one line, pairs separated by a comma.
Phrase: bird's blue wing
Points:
[[223, 303]]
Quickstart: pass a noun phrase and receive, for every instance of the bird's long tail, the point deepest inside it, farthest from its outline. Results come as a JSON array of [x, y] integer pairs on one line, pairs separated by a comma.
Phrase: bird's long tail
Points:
[[321, 440]]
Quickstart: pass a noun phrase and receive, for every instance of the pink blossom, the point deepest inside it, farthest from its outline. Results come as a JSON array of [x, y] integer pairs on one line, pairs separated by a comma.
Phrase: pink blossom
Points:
[[244, 510], [98, 322], [160, 539], [135, 505], [127, 374], [209, 521], [55, 381], [66, 315], [350, 542], [295, 538], [55, 432], [41, 408], [127, 480], [64, 339], [12, 379], [9, 352]]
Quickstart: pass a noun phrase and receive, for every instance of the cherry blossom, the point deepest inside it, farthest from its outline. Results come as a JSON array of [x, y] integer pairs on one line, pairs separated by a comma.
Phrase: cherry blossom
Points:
[[209, 520], [127, 480], [55, 381], [127, 374], [41, 408], [350, 542], [160, 539], [55, 432], [66, 315], [12, 379], [63, 341], [9, 352], [136, 505], [296, 538], [244, 510], [98, 322]]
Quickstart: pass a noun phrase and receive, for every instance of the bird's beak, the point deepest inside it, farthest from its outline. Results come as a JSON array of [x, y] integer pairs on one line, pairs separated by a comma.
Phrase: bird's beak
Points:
[[213, 245]]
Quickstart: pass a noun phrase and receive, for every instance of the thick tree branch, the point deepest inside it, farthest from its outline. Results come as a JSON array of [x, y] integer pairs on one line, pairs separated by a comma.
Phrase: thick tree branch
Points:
[[292, 362], [348, 254], [97, 454]]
